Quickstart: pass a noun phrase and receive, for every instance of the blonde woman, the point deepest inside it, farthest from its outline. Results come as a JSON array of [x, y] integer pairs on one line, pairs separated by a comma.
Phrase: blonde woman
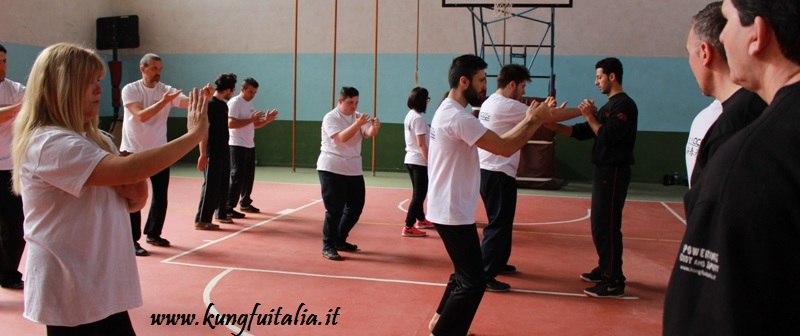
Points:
[[77, 192]]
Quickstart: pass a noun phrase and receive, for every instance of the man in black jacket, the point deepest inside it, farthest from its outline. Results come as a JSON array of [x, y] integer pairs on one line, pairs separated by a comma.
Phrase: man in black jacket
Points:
[[737, 265], [613, 128]]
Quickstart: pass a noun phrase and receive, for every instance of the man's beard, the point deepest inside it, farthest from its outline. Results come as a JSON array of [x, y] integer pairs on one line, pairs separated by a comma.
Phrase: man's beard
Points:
[[473, 97]]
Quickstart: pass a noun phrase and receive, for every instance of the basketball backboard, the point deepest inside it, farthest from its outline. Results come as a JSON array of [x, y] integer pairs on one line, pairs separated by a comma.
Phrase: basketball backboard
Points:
[[513, 3]]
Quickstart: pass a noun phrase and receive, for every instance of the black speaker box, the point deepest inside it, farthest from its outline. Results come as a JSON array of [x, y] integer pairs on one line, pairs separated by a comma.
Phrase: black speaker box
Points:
[[120, 30]]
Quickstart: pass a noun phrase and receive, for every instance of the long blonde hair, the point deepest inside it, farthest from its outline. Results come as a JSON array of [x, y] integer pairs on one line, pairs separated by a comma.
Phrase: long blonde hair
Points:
[[55, 96]]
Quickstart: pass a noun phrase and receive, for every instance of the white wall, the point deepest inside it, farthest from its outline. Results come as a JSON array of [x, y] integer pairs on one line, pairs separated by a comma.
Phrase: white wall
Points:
[[45, 22], [591, 27]]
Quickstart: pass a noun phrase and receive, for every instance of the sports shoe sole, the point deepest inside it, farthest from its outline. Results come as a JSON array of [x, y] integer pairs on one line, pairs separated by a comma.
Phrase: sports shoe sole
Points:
[[507, 269], [158, 242], [592, 294], [587, 278], [498, 290], [413, 235], [504, 287], [236, 215], [206, 226], [347, 248], [331, 256]]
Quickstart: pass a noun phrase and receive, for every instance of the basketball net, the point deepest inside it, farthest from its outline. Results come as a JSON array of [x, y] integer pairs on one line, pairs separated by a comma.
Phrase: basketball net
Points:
[[501, 9]]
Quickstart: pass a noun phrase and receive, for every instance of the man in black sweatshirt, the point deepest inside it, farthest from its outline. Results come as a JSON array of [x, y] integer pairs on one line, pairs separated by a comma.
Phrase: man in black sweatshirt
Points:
[[613, 128], [737, 265]]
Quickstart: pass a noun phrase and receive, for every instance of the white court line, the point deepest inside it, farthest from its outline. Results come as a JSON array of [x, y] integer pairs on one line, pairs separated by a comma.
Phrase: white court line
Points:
[[530, 291], [227, 269], [674, 213], [213, 309], [400, 206], [588, 215], [283, 214]]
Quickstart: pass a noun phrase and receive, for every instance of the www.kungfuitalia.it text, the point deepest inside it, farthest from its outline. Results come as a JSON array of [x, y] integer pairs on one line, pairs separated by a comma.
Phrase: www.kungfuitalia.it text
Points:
[[244, 321]]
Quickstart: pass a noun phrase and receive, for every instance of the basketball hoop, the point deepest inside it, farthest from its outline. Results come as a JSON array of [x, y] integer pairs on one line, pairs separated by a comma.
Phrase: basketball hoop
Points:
[[501, 9]]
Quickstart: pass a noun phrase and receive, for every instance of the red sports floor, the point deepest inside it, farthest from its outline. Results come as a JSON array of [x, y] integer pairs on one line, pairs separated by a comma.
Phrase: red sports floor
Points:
[[271, 263]]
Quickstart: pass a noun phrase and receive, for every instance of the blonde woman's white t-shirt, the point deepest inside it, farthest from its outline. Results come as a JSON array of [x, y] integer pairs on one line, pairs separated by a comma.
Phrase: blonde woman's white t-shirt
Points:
[[80, 266]]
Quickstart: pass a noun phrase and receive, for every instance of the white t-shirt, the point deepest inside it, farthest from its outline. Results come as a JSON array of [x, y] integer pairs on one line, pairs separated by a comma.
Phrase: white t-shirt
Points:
[[240, 108], [415, 125], [343, 158], [137, 135], [11, 93], [702, 122], [80, 267], [453, 169], [500, 114]]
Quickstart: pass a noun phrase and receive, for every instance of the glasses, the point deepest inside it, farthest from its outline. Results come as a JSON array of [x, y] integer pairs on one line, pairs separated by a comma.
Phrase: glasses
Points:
[[429, 99]]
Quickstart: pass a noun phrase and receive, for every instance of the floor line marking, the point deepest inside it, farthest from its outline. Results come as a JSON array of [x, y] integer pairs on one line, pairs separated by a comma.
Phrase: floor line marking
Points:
[[588, 215], [674, 213], [400, 206], [213, 309], [228, 269], [236, 233]]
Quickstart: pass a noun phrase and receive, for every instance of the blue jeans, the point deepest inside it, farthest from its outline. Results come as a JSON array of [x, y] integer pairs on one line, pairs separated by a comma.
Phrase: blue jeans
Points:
[[343, 197]]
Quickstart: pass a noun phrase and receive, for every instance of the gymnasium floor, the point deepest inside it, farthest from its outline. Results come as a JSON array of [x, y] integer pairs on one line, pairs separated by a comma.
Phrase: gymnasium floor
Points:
[[270, 263]]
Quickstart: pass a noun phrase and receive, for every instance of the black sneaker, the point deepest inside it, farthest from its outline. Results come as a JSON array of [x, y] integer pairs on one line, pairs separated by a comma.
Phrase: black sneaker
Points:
[[139, 251], [594, 276], [157, 241], [249, 208], [609, 289], [235, 214], [330, 253], [507, 269], [492, 285], [347, 247], [14, 284]]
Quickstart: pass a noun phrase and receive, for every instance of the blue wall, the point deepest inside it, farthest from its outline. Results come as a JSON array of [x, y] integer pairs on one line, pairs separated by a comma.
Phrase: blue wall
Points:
[[664, 88]]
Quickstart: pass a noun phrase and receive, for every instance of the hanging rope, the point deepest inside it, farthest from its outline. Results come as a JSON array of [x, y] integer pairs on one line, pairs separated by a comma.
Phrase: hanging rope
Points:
[[375, 87], [416, 66], [294, 101], [335, 25]]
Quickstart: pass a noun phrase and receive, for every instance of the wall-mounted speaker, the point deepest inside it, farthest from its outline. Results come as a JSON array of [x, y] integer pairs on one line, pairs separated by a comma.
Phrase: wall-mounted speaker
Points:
[[121, 32]]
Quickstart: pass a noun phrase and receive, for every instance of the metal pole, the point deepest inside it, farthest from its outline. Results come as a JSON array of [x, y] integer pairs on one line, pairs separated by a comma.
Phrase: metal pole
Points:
[[375, 88], [294, 101]]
